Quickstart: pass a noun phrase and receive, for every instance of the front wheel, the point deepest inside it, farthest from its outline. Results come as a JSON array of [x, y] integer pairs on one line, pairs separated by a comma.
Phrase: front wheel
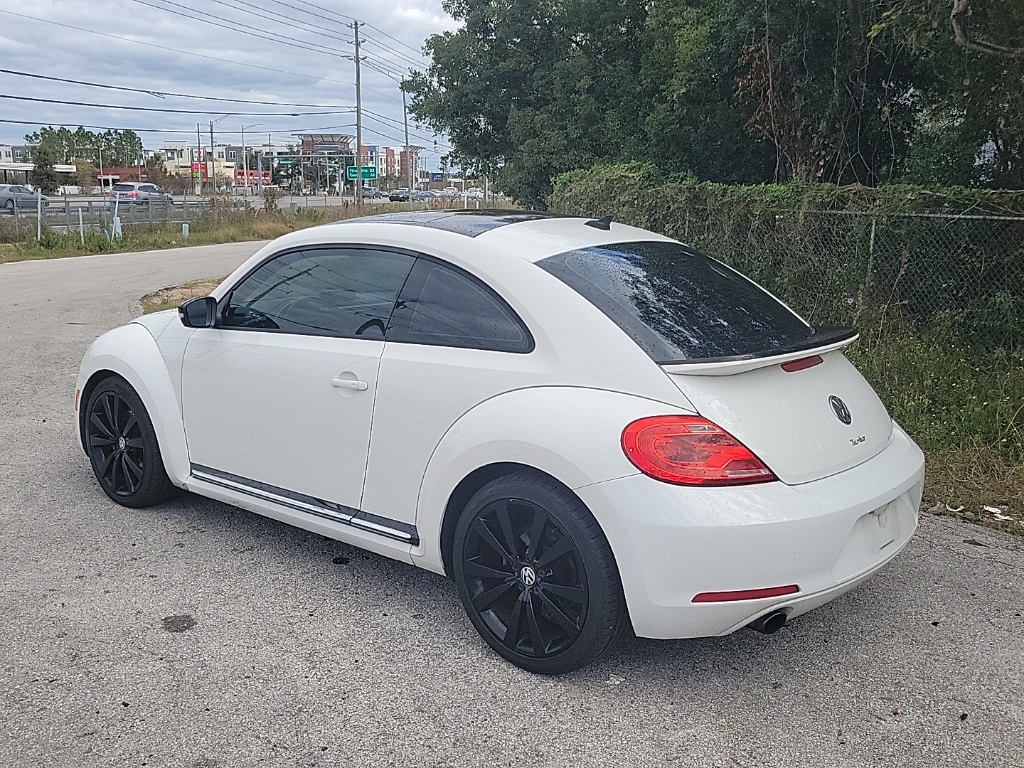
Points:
[[122, 446], [536, 575]]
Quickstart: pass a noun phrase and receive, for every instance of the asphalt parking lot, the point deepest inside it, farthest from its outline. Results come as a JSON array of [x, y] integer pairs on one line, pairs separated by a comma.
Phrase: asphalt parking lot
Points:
[[197, 635]]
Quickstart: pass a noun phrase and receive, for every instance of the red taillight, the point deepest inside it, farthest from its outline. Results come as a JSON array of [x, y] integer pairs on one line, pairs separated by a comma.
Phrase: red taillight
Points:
[[134, 193], [745, 594], [690, 450], [801, 364]]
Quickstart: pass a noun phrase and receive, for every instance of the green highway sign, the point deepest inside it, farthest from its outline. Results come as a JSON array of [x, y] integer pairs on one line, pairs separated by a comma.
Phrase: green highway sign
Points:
[[369, 172]]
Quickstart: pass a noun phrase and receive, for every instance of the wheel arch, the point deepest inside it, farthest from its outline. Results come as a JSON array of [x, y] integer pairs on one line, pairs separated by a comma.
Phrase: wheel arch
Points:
[[465, 490], [571, 435], [130, 353]]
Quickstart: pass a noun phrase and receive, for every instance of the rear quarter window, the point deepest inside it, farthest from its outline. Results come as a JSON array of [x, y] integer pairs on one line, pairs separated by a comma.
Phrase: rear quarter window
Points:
[[679, 305]]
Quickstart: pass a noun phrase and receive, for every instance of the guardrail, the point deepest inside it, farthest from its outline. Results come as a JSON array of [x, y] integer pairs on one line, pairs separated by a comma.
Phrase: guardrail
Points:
[[69, 214]]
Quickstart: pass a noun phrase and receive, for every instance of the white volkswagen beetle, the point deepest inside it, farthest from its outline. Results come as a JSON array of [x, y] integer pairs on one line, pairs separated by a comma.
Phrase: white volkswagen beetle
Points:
[[588, 426]]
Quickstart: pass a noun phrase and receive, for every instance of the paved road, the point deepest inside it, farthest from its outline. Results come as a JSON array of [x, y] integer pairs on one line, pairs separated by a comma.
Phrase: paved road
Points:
[[307, 652]]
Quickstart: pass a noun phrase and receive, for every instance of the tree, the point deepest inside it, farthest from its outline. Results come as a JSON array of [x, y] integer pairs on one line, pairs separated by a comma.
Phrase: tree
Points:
[[971, 93], [845, 91], [85, 175], [534, 87], [43, 174], [118, 147], [156, 171]]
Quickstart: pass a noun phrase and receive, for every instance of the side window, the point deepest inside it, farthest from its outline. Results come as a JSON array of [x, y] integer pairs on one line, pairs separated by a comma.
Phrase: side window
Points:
[[443, 306], [347, 292]]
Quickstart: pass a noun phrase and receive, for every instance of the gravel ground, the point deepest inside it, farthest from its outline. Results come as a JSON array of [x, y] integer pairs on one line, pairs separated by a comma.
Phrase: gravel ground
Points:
[[194, 634]]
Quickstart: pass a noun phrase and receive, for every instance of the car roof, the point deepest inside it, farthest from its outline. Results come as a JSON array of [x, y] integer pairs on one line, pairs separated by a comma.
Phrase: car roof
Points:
[[469, 222], [486, 242]]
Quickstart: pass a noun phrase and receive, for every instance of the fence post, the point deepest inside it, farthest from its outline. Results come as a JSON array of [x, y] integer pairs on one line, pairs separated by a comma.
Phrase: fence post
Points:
[[67, 213], [81, 227]]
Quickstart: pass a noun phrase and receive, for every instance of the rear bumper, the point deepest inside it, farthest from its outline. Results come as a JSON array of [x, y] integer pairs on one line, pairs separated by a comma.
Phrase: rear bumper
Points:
[[826, 536]]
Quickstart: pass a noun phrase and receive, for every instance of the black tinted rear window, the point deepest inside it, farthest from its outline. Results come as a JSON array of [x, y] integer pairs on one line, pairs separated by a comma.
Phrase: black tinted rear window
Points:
[[680, 305]]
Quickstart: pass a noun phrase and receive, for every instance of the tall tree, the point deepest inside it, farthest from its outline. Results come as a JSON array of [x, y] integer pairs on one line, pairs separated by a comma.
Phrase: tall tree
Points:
[[43, 174], [534, 87]]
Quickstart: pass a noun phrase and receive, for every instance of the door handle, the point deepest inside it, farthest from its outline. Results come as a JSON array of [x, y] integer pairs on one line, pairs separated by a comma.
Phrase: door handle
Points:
[[359, 386]]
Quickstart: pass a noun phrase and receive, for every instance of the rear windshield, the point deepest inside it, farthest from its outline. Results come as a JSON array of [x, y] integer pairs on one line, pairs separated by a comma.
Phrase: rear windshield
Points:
[[679, 305], [123, 187]]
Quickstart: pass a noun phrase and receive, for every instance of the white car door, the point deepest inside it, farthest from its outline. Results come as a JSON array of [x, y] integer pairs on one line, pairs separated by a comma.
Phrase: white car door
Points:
[[452, 344], [277, 398]]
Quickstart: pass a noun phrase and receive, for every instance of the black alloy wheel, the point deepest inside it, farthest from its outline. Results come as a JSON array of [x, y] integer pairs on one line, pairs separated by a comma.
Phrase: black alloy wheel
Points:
[[537, 576], [122, 446]]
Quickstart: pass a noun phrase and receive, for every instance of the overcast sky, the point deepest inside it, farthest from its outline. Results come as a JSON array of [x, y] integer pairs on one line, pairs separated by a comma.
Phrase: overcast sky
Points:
[[305, 56]]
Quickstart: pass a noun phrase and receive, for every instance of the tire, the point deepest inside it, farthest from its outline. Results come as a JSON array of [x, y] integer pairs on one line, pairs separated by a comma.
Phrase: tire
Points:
[[550, 608], [122, 447], [9, 205]]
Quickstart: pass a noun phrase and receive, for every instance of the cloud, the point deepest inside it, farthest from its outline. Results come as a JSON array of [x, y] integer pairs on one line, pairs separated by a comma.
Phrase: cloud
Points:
[[263, 50]]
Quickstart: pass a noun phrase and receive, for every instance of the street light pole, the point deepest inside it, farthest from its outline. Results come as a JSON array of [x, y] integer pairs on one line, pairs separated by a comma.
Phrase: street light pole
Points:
[[359, 124], [245, 157], [213, 160]]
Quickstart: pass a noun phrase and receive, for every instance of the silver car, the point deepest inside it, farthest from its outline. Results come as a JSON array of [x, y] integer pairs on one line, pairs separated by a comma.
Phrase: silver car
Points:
[[138, 192], [20, 196]]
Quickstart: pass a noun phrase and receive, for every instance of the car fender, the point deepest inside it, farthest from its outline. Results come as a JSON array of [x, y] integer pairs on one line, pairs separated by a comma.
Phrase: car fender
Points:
[[570, 433], [132, 353]]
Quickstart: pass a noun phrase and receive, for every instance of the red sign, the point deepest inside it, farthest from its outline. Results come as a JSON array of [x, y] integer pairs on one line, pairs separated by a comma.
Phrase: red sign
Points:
[[198, 170], [254, 176]]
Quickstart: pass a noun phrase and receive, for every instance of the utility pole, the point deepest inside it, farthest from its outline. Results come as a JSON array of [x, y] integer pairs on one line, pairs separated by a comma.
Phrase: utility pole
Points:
[[405, 119], [199, 158], [359, 124], [100, 150], [245, 165], [213, 160]]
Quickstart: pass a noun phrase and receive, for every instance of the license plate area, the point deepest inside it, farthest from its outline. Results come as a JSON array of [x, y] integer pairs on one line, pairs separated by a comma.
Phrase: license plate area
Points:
[[875, 535], [883, 531]]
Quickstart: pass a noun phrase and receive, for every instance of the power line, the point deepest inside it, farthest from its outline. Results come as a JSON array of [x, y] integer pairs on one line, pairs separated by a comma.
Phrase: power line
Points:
[[188, 131], [347, 19], [162, 94], [244, 7], [162, 109], [260, 10], [397, 56], [390, 37], [394, 124], [175, 50], [229, 26]]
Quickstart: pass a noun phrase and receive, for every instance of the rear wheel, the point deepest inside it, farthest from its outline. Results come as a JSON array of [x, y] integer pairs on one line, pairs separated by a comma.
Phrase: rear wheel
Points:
[[122, 446], [536, 575]]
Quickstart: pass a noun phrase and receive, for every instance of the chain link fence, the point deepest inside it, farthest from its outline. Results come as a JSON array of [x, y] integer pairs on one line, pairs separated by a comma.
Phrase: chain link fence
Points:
[[959, 274]]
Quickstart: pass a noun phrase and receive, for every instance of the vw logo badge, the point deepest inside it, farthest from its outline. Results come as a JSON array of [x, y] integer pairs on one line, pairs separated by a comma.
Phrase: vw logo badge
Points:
[[528, 575], [840, 409]]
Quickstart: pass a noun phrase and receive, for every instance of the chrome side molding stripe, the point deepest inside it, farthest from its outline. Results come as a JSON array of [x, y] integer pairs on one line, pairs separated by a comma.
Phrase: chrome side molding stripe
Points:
[[329, 510]]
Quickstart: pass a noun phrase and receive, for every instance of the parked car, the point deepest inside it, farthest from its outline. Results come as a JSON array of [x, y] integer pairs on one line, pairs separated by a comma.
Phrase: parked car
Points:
[[400, 195], [20, 196], [589, 427], [138, 192], [450, 192], [475, 193]]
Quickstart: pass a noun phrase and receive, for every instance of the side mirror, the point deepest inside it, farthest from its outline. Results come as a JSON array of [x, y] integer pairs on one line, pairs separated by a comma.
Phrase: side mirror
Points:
[[198, 313]]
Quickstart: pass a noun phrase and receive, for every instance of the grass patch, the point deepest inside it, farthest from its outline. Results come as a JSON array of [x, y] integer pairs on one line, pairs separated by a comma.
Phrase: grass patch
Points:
[[965, 408]]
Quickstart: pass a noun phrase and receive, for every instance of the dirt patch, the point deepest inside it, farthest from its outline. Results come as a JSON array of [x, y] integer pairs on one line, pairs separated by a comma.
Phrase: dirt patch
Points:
[[173, 296]]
